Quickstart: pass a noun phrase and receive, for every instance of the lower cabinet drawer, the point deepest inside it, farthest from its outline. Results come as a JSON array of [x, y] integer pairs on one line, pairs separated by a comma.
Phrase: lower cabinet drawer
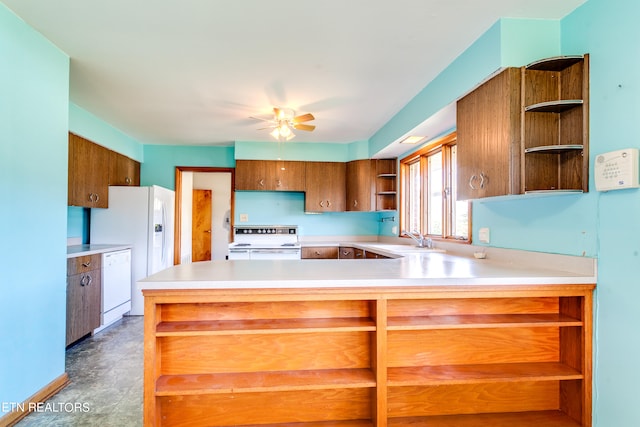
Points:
[[320, 252]]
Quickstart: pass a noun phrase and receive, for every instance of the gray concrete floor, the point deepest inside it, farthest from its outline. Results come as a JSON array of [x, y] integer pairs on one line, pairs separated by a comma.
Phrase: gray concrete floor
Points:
[[105, 373]]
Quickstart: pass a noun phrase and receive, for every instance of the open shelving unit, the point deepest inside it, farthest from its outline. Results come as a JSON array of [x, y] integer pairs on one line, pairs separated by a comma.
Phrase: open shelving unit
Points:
[[386, 184], [369, 357], [555, 128]]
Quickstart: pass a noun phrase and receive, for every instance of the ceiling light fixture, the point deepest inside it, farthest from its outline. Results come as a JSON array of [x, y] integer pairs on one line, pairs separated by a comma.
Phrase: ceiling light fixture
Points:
[[413, 139]]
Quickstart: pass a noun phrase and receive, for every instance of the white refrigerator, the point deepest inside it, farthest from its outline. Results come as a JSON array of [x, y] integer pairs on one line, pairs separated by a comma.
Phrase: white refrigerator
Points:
[[143, 217]]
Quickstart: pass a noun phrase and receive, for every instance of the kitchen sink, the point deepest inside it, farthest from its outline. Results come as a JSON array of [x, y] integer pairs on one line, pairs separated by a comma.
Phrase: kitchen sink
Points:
[[400, 249]]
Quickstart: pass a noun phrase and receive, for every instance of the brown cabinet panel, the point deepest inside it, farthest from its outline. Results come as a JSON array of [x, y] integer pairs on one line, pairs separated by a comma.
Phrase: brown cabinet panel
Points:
[[325, 186], [84, 295], [360, 186], [320, 252], [123, 171], [88, 183], [488, 138], [269, 175]]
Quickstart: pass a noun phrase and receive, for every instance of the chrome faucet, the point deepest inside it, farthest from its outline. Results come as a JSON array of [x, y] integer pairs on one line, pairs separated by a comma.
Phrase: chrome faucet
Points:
[[422, 241]]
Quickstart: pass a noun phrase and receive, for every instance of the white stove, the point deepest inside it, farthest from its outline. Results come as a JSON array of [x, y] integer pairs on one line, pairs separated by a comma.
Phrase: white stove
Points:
[[265, 242]]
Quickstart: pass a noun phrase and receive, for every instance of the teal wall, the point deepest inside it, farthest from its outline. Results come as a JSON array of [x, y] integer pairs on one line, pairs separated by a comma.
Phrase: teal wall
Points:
[[160, 163], [607, 30], [34, 88]]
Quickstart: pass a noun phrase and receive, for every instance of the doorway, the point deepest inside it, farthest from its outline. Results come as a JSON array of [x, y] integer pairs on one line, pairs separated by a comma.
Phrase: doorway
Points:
[[200, 190]]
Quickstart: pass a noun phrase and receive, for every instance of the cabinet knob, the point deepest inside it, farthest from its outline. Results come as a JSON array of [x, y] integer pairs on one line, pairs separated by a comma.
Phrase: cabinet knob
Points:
[[127, 180]]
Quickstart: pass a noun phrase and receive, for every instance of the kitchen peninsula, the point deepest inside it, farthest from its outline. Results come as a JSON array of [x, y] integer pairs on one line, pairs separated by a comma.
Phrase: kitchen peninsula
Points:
[[421, 339]]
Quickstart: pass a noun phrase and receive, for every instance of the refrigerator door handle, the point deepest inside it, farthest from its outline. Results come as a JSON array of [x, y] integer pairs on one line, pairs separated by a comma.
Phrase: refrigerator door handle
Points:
[[164, 234]]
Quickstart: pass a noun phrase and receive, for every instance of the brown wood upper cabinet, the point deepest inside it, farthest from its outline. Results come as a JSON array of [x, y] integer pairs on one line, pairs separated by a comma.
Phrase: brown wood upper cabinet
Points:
[[325, 186], [361, 188], [371, 185], [123, 171], [526, 130], [269, 175], [488, 145], [92, 169], [88, 184]]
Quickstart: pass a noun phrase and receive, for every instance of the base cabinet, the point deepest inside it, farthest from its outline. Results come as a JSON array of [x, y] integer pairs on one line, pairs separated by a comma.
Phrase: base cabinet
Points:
[[83, 296], [378, 357]]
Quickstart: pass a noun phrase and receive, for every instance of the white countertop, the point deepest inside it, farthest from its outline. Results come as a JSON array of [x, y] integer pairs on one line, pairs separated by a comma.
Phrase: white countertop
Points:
[[413, 268], [81, 250]]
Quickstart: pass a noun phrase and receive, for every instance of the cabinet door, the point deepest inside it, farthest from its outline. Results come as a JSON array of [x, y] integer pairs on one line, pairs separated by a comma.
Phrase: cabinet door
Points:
[[123, 170], [88, 183], [488, 140], [83, 304], [360, 186], [325, 187], [250, 175], [286, 175]]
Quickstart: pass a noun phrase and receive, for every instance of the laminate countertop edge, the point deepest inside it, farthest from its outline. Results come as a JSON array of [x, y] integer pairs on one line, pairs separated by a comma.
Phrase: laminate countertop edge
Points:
[[74, 251]]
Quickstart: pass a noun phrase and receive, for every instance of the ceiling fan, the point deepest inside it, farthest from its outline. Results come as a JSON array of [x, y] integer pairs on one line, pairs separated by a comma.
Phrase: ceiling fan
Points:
[[284, 120]]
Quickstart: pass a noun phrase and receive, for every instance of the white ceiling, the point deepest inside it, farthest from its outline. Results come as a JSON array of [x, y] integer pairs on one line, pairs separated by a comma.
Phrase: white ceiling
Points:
[[193, 71]]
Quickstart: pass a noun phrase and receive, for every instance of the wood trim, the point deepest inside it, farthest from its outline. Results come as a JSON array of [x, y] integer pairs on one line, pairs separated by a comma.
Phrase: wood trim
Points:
[[41, 395], [178, 209]]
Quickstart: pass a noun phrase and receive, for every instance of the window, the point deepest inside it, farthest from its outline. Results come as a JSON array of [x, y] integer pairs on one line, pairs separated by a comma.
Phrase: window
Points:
[[428, 191]]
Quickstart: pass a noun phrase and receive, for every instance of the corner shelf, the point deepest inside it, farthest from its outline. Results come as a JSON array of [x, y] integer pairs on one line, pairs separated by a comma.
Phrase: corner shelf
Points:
[[555, 124], [554, 106], [386, 190]]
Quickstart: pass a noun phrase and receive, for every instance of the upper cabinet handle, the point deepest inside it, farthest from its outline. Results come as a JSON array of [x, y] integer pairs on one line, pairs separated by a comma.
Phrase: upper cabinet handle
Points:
[[261, 182], [86, 264], [127, 180], [355, 203], [322, 203], [482, 179], [473, 178]]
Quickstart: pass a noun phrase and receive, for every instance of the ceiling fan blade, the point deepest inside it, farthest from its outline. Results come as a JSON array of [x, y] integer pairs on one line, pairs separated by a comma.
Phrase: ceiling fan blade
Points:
[[303, 118], [278, 113], [308, 128], [261, 119]]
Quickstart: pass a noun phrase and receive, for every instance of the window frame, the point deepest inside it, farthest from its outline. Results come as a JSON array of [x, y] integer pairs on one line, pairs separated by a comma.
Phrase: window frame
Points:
[[444, 145]]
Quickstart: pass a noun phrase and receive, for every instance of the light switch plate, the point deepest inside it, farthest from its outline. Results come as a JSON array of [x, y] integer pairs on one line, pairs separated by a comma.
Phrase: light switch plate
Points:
[[484, 235], [244, 217]]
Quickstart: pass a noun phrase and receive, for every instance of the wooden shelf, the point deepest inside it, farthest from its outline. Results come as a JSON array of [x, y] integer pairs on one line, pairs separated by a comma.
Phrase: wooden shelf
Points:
[[342, 423], [556, 63], [482, 373], [558, 106], [520, 419], [254, 382], [554, 149], [480, 321], [263, 326]]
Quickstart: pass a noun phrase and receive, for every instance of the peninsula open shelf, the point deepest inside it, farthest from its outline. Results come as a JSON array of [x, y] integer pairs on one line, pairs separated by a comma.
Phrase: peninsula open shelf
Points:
[[393, 356]]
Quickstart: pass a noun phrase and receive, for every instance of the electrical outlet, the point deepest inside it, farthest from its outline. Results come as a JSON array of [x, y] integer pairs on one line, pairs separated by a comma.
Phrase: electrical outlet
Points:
[[484, 235], [244, 217]]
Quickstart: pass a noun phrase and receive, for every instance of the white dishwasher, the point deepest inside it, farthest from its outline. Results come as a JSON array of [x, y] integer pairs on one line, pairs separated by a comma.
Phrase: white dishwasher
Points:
[[116, 286]]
